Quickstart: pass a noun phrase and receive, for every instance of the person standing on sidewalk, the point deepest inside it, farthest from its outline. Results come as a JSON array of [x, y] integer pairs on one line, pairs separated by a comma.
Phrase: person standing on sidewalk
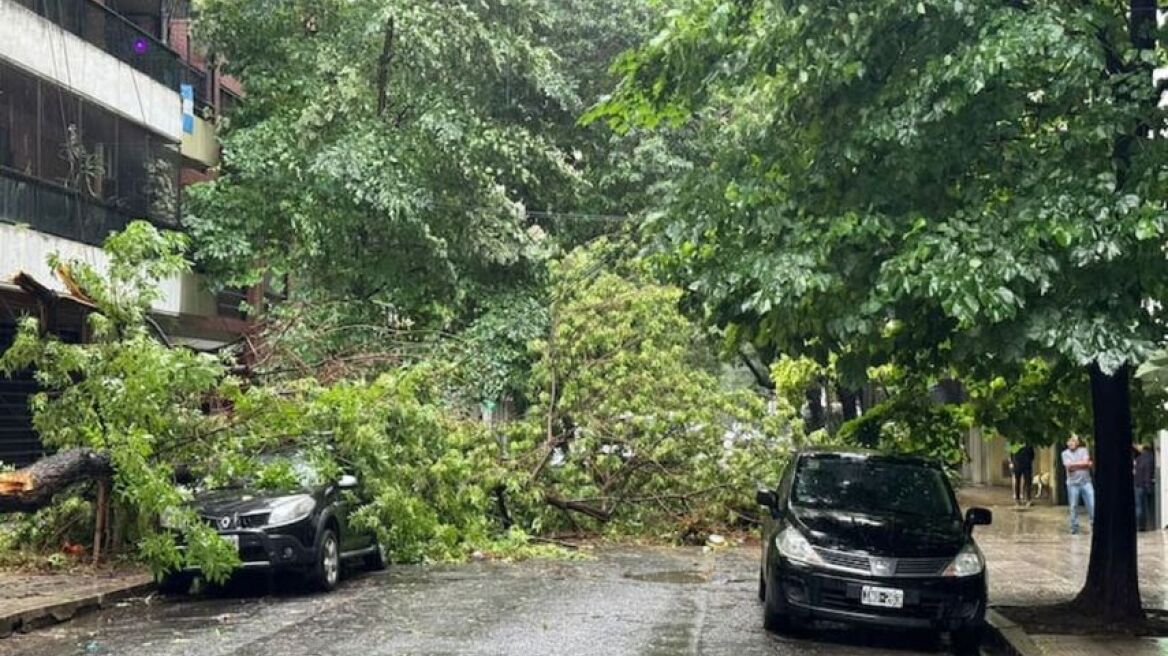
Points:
[[1022, 464], [1077, 461], [1145, 486]]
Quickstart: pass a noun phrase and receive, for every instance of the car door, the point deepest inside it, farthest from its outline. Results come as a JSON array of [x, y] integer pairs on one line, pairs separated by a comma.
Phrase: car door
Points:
[[345, 501]]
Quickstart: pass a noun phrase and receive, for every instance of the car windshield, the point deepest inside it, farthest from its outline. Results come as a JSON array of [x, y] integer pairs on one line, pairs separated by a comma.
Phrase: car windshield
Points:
[[872, 487], [286, 471]]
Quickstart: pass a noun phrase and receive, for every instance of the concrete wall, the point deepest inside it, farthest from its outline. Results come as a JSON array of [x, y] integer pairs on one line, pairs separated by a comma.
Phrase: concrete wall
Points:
[[26, 250], [47, 50], [202, 146]]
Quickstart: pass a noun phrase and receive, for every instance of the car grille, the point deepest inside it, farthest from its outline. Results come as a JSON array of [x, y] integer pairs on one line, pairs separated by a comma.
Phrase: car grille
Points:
[[921, 566], [844, 560], [862, 564]]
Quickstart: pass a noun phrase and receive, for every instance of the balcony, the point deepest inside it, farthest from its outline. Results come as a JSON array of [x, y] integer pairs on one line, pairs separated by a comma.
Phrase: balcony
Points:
[[60, 211], [115, 35]]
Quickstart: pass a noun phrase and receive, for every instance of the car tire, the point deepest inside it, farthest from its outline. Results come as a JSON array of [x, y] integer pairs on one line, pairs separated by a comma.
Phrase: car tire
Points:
[[327, 572], [761, 587], [774, 609], [967, 641], [378, 560], [175, 583]]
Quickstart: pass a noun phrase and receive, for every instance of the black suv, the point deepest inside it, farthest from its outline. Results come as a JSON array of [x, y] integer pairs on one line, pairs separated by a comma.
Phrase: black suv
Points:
[[863, 538], [303, 529]]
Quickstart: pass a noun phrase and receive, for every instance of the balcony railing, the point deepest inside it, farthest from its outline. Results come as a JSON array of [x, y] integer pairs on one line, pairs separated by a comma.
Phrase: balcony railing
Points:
[[59, 211], [114, 34]]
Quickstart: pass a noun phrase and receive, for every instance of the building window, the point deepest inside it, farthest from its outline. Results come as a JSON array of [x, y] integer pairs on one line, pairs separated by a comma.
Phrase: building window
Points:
[[87, 159], [99, 138], [18, 134], [60, 130]]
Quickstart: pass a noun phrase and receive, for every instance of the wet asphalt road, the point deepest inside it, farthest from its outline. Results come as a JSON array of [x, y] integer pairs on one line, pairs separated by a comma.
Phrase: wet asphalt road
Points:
[[643, 602]]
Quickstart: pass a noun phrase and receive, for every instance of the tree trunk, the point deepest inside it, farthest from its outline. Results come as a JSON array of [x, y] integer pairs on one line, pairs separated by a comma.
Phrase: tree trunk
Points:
[[100, 517], [849, 402], [1112, 588], [32, 488], [816, 417]]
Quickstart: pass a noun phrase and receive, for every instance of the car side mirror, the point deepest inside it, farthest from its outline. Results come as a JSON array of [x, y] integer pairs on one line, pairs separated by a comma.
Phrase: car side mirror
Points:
[[347, 482], [977, 517], [766, 498]]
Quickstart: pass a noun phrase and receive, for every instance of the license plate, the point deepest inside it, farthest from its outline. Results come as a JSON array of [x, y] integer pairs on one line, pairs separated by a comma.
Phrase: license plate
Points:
[[231, 539], [871, 595]]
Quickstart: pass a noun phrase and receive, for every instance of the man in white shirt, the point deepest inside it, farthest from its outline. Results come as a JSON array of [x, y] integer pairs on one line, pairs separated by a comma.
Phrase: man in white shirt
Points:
[[1077, 461]]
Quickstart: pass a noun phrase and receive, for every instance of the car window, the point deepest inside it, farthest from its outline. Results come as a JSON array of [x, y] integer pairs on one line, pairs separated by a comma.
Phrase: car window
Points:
[[871, 487]]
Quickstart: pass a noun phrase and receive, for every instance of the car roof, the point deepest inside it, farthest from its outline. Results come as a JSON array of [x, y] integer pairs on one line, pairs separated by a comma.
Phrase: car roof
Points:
[[866, 454]]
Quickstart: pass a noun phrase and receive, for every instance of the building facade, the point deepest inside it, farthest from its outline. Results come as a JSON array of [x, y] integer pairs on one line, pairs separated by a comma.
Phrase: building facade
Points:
[[102, 122]]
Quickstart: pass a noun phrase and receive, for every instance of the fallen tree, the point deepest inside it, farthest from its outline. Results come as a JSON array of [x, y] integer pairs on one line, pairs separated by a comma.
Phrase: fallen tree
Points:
[[632, 429], [34, 487]]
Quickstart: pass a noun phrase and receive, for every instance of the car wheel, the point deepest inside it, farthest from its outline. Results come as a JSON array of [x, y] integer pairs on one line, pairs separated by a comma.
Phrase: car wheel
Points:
[[175, 583], [967, 641], [774, 610], [378, 560], [761, 586], [328, 562]]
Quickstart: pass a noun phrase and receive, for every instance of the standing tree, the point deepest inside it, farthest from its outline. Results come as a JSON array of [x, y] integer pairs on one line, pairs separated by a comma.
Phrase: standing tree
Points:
[[386, 152], [936, 183]]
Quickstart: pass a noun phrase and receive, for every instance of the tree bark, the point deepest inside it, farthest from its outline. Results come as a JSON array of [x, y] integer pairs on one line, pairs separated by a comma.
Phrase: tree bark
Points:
[[100, 517], [1112, 589], [849, 403], [32, 488], [816, 416], [383, 63]]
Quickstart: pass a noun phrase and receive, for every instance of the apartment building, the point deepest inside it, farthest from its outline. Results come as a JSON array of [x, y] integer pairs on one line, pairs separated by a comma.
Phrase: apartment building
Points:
[[102, 122]]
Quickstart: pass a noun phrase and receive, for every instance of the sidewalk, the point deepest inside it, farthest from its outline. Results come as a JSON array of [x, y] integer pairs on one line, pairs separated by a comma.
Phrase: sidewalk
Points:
[[1033, 560], [30, 601]]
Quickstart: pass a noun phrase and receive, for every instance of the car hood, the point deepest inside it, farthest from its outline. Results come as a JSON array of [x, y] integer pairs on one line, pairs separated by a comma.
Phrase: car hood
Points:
[[894, 536], [224, 503]]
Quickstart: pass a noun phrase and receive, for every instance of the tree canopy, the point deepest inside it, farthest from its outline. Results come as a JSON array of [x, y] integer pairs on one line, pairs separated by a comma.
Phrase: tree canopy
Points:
[[972, 171]]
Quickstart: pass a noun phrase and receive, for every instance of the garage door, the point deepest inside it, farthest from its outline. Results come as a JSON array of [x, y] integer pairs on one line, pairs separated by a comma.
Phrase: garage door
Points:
[[19, 443]]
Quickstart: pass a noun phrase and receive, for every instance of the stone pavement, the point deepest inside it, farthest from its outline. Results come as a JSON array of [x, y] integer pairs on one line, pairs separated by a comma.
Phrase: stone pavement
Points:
[[28, 601], [1033, 560]]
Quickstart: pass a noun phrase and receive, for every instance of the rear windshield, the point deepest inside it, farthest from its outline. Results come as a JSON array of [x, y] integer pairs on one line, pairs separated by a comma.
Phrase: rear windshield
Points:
[[872, 487]]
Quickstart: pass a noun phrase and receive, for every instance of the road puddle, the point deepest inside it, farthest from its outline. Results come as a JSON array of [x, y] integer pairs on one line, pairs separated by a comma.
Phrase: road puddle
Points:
[[680, 577]]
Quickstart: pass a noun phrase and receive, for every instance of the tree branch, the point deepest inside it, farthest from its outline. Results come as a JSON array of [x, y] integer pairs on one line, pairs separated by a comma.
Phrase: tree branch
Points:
[[383, 63]]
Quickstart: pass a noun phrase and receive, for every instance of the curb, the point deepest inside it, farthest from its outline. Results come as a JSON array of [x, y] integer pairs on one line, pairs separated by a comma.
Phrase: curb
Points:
[[63, 609], [1008, 637]]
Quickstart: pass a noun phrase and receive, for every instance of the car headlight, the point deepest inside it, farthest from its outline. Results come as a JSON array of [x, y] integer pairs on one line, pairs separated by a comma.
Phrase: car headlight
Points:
[[793, 546], [291, 510], [969, 562]]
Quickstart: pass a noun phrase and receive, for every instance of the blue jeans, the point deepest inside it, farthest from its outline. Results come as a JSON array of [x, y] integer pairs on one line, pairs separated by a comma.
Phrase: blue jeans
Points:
[[1086, 491], [1143, 507]]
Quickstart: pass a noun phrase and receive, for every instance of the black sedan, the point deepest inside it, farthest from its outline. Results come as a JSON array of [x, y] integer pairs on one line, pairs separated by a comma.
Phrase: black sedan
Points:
[[862, 538], [302, 529]]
